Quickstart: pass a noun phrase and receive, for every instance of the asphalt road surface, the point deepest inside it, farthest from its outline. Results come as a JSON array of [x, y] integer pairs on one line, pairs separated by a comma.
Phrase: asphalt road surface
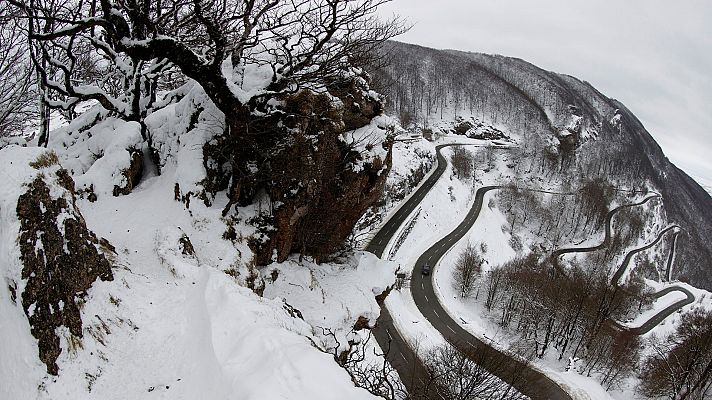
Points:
[[410, 368], [609, 231], [656, 319]]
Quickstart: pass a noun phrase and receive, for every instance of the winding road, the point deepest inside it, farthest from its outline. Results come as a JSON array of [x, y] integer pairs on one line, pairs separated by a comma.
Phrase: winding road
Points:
[[609, 231], [398, 353], [510, 368], [661, 315]]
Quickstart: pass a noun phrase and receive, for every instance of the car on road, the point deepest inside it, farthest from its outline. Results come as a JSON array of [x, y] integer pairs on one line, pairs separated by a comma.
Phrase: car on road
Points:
[[425, 269]]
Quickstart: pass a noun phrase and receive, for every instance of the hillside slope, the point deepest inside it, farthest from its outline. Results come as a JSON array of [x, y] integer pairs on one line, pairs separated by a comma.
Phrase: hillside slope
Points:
[[560, 122]]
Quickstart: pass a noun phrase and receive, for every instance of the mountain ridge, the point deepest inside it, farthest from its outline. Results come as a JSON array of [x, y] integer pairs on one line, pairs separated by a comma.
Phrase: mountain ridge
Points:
[[554, 115]]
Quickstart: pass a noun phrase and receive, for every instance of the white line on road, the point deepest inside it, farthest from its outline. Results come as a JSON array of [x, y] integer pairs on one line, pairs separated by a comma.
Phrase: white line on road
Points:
[[451, 330], [403, 357], [436, 314], [426, 298], [389, 334]]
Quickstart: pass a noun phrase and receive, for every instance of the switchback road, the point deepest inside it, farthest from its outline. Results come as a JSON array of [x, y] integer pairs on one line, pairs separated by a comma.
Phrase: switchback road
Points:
[[660, 316], [507, 367], [512, 369]]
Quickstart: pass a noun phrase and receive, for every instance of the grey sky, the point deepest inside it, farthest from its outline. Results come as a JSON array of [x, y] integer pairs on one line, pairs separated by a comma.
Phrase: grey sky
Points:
[[653, 55]]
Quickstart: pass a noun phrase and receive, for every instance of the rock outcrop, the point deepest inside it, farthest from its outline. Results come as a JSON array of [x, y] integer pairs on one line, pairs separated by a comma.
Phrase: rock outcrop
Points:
[[313, 183], [60, 259], [132, 174]]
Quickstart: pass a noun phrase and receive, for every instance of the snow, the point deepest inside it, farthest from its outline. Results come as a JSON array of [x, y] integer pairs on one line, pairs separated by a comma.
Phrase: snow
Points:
[[182, 326], [99, 156], [332, 295], [417, 331], [470, 312], [659, 305], [172, 325], [368, 140], [703, 300], [442, 210]]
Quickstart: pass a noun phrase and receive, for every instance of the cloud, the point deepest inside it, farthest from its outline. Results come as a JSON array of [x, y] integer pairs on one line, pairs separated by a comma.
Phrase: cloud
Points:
[[653, 55]]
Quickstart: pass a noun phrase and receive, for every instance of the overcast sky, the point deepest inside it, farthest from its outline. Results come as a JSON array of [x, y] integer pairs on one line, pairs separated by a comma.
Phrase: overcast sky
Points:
[[653, 55]]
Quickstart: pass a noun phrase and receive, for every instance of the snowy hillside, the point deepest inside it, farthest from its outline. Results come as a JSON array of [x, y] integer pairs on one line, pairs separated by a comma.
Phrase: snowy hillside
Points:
[[554, 117], [705, 183], [178, 319], [249, 200]]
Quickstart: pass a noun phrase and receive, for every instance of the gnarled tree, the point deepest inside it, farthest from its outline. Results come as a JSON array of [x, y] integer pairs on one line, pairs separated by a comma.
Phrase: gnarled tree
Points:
[[285, 74]]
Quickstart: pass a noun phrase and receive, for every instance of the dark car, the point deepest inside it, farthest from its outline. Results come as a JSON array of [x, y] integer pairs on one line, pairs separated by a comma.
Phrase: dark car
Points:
[[425, 269]]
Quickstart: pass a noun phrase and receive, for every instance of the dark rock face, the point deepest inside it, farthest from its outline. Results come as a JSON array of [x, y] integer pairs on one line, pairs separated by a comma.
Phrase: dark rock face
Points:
[[296, 165], [132, 173], [60, 262], [320, 197]]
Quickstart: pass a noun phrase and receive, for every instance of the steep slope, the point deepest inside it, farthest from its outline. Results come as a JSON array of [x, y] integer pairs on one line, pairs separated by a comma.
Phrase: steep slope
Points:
[[140, 293], [566, 130]]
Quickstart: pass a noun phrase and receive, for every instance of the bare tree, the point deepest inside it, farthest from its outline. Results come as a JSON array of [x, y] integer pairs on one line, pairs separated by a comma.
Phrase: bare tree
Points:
[[17, 87], [681, 365], [114, 52], [467, 268], [368, 371], [274, 68], [460, 376], [298, 44], [462, 162]]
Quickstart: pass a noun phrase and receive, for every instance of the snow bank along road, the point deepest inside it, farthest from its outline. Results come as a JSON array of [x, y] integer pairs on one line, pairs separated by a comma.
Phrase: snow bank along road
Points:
[[656, 319], [508, 367]]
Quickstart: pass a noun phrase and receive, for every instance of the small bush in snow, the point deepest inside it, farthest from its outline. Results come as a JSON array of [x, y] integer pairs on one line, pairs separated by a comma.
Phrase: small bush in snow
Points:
[[45, 160]]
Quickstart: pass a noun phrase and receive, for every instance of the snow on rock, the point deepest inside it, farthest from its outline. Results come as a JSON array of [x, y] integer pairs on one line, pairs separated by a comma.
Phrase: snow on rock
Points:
[[177, 321], [369, 141], [20, 368], [51, 258], [100, 156], [457, 123], [180, 130]]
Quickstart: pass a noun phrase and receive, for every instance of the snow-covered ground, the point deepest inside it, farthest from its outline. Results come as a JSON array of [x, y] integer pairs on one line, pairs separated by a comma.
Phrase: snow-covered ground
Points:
[[173, 325], [471, 313], [441, 211], [182, 326]]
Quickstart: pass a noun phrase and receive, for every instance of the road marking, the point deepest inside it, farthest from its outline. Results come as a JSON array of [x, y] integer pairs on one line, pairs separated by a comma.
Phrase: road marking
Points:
[[389, 334], [451, 330], [426, 298], [421, 285], [436, 313], [403, 357]]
